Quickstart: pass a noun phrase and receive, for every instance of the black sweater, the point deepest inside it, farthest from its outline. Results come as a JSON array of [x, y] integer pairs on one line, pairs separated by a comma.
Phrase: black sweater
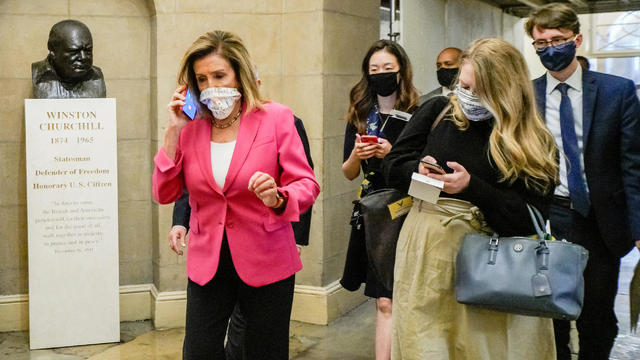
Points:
[[503, 205], [372, 165]]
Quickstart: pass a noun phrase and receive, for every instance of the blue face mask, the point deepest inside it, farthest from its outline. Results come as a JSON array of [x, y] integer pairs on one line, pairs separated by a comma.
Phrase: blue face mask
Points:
[[556, 58]]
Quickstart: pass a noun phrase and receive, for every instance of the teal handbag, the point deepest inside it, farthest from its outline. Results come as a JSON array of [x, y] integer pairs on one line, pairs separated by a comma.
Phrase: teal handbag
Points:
[[522, 275]]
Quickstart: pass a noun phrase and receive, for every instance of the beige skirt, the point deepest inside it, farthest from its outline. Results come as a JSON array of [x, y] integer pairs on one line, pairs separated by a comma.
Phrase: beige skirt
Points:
[[428, 322]]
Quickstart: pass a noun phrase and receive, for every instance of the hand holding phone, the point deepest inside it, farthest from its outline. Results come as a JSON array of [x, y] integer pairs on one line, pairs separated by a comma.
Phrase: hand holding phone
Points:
[[432, 166], [369, 139]]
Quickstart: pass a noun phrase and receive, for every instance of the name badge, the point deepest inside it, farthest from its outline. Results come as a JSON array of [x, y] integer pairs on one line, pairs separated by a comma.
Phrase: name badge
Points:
[[400, 207], [400, 115]]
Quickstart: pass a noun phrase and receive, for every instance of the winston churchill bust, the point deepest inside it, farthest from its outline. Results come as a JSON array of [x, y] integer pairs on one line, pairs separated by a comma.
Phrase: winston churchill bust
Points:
[[68, 70]]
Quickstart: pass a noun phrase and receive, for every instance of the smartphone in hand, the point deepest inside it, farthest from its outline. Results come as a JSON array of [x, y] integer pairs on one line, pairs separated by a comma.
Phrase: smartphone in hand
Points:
[[190, 107], [433, 167], [369, 139]]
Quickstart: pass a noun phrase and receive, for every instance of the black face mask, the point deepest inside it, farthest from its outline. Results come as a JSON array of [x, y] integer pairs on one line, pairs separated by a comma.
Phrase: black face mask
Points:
[[384, 84], [447, 77]]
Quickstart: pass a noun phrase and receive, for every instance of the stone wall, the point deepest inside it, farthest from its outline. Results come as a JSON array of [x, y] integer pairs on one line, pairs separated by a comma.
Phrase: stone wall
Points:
[[121, 34], [308, 53], [428, 26]]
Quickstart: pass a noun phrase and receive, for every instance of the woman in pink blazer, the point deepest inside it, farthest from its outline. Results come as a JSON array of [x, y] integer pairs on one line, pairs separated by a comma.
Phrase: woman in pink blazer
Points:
[[244, 166]]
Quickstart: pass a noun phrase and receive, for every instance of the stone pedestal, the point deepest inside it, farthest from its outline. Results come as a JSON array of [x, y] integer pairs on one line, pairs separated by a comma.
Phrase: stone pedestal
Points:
[[72, 206]]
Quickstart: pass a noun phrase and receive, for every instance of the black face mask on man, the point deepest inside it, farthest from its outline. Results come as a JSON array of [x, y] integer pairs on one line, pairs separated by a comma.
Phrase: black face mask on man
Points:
[[447, 77], [384, 84]]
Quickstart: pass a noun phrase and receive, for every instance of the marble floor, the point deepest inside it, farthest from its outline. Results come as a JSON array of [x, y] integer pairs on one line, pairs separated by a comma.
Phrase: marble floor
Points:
[[348, 338]]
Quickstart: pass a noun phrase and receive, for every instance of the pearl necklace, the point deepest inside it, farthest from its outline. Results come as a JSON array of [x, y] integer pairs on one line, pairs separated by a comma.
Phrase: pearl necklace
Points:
[[224, 126]]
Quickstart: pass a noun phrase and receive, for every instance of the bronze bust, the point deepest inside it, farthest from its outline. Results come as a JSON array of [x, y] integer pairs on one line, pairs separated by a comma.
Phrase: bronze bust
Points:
[[68, 70]]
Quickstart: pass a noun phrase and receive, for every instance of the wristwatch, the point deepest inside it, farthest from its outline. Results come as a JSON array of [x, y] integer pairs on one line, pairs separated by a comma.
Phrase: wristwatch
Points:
[[279, 200]]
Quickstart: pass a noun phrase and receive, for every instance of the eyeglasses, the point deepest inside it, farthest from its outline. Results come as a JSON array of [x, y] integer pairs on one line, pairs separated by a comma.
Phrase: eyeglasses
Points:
[[543, 44]]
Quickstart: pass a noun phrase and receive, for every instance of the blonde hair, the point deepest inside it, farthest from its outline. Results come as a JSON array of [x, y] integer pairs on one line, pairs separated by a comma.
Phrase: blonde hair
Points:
[[229, 46], [520, 144]]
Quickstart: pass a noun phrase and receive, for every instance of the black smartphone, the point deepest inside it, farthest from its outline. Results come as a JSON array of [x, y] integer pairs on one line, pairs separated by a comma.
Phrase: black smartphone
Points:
[[433, 166]]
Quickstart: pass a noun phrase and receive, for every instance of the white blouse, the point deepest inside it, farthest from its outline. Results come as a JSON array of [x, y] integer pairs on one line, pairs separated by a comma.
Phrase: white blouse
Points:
[[220, 160]]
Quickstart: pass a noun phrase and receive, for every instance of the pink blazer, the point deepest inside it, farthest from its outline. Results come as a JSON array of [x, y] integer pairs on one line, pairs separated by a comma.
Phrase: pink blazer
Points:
[[262, 245]]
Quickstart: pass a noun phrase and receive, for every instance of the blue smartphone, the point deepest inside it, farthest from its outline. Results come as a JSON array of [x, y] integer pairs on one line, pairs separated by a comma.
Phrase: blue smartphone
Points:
[[190, 107]]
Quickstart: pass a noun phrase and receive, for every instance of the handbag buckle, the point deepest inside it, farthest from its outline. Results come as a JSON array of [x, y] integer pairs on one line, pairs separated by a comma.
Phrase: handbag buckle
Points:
[[542, 252], [493, 249]]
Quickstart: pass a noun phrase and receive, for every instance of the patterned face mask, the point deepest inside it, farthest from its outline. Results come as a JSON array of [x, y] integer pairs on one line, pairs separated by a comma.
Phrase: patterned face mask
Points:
[[471, 105], [220, 100]]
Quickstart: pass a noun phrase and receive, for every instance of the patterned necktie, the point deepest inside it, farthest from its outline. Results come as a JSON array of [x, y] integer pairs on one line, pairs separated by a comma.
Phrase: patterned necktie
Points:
[[577, 188]]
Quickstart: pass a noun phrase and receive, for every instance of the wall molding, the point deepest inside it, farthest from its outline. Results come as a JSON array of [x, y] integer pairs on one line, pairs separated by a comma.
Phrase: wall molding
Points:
[[318, 290], [322, 304], [14, 312], [130, 289], [311, 304], [10, 299]]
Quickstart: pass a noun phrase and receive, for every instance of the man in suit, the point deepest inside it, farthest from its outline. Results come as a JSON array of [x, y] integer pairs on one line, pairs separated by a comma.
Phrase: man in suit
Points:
[[595, 120], [447, 65], [180, 227]]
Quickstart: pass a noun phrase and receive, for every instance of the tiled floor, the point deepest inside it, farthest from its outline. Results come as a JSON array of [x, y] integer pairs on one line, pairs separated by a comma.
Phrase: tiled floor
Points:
[[348, 338]]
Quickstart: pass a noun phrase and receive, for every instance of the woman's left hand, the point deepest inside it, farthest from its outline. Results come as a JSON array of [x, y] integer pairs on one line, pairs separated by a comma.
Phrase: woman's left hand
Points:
[[265, 188], [455, 182], [384, 147]]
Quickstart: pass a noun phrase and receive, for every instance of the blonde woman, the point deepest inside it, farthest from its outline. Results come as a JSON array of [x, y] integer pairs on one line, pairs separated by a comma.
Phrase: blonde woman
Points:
[[498, 156], [245, 168]]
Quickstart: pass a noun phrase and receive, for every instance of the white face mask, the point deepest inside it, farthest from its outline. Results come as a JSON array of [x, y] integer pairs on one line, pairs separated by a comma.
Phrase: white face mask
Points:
[[471, 105], [220, 100]]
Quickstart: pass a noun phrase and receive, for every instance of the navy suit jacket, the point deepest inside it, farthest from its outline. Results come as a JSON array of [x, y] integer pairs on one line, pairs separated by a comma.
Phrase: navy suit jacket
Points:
[[611, 145], [182, 210]]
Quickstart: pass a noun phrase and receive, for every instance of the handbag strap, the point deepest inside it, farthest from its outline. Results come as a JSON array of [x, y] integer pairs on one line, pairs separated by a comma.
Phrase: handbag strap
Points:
[[441, 116], [538, 221]]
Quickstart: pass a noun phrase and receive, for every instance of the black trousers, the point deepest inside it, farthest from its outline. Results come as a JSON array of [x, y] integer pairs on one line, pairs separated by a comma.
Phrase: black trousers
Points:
[[235, 336], [267, 310], [597, 324]]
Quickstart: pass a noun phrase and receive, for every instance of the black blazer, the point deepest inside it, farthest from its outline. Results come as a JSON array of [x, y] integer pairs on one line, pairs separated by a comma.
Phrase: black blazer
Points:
[[182, 210], [611, 138]]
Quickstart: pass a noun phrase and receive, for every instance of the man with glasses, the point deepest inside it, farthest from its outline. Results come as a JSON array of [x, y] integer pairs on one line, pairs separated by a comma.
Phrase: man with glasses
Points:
[[595, 120]]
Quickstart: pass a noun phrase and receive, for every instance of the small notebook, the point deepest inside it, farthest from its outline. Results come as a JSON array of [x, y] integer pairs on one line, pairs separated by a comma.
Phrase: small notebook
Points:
[[425, 188]]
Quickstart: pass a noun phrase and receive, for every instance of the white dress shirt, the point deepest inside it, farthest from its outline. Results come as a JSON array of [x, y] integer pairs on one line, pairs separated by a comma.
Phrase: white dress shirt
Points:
[[552, 116], [446, 91]]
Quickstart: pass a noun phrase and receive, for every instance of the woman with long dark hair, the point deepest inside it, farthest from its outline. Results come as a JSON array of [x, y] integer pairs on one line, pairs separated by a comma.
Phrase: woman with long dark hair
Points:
[[385, 85]]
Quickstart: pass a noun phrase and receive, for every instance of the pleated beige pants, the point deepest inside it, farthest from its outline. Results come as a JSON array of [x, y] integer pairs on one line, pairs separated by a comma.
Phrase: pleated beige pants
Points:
[[428, 322]]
